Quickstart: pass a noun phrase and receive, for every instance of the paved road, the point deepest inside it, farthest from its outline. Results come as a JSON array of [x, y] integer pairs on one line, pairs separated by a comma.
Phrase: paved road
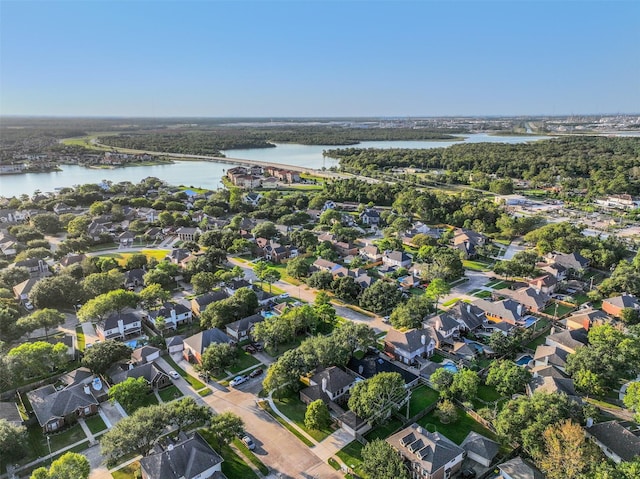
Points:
[[284, 454]]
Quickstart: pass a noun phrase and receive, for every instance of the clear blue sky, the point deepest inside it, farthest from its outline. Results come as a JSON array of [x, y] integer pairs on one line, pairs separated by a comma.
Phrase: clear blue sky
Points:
[[318, 58]]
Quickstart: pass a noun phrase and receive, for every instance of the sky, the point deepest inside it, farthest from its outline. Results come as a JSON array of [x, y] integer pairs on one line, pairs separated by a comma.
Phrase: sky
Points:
[[310, 58]]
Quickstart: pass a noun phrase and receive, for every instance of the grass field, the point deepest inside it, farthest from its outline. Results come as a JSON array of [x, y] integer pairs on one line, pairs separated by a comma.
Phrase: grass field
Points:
[[384, 430], [351, 455], [95, 424], [476, 265], [149, 400], [458, 430], [295, 409], [243, 361], [80, 338], [121, 258], [561, 310], [264, 405], [421, 398], [450, 302], [170, 393], [233, 466], [251, 456]]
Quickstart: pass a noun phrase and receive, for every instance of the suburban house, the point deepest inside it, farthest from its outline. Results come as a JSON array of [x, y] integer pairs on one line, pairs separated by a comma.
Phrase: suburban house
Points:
[[558, 271], [430, 455], [200, 303], [148, 214], [329, 384], [468, 316], [551, 356], [119, 326], [8, 245], [155, 377], [10, 413], [126, 239], [252, 198], [570, 341], [55, 409], [585, 319], [145, 354], [480, 449], [71, 259], [234, 285], [532, 299], [370, 216], [21, 290], [195, 345], [625, 202], [406, 346], [506, 310], [445, 328], [174, 315], [36, 266], [545, 284], [518, 468], [468, 242], [176, 256], [272, 250], [614, 306], [186, 458], [551, 385], [185, 233], [399, 259], [371, 253], [574, 263], [175, 344], [619, 441], [241, 329], [134, 278]]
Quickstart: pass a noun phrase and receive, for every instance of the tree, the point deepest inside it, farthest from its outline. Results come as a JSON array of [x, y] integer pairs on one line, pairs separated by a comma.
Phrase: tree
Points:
[[101, 283], [186, 412], [160, 277], [436, 289], [203, 282], [410, 314], [98, 308], [273, 331], [381, 461], [42, 318], [566, 452], [265, 230], [136, 261], [442, 379], [270, 276], [317, 415], [322, 298], [70, 465], [355, 336], [320, 280], [380, 297], [632, 397], [446, 411], [225, 426], [346, 288], [465, 384], [374, 399], [298, 267], [630, 316], [217, 357], [101, 356], [56, 292], [260, 269], [46, 223], [130, 393], [13, 441], [34, 359], [507, 377], [153, 295], [326, 314]]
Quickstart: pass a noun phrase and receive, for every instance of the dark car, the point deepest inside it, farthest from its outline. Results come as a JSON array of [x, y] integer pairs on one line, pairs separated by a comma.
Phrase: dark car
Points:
[[467, 474], [255, 373], [250, 349], [257, 346]]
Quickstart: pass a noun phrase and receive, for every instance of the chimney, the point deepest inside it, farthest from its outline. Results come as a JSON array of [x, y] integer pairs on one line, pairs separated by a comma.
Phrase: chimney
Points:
[[170, 447], [324, 385], [360, 369], [468, 308], [419, 430], [423, 339], [589, 422], [87, 389]]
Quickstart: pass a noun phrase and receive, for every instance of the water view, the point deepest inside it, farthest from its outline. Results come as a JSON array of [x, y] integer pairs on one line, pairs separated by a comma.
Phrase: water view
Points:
[[204, 174]]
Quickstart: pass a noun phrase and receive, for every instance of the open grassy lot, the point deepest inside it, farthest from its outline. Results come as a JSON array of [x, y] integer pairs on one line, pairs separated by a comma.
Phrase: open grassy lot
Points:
[[294, 409], [476, 265], [458, 430], [95, 424], [80, 338], [121, 258], [421, 398]]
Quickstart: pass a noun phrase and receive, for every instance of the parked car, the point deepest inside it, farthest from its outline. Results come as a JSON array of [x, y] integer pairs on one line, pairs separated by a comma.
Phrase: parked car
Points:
[[255, 373], [257, 346], [249, 443], [28, 305], [174, 375], [468, 474], [284, 296], [250, 349], [238, 380]]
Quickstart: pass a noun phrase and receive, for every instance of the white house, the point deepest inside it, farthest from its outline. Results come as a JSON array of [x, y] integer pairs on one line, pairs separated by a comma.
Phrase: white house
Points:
[[119, 326]]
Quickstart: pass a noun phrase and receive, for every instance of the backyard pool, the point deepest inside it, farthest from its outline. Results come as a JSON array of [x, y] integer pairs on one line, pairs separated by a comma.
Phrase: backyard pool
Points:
[[450, 366], [529, 321], [475, 345], [524, 360], [136, 343]]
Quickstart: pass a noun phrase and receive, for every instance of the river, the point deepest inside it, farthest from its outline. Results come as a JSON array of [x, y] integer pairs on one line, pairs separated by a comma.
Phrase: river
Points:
[[204, 174]]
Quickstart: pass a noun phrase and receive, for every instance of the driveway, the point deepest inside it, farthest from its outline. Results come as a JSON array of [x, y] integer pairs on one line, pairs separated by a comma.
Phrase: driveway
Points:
[[284, 454], [90, 335]]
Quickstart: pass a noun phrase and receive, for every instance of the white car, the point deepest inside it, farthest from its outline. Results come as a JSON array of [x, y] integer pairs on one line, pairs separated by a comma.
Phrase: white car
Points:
[[237, 381], [249, 443], [284, 296], [28, 305], [174, 375]]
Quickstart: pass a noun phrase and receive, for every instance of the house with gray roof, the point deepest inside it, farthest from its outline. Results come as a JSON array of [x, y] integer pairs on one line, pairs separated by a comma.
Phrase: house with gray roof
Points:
[[54, 409], [550, 356], [406, 346], [507, 310], [145, 354], [186, 458], [552, 384], [399, 259], [195, 345], [619, 441], [480, 449], [174, 315], [329, 384], [119, 326], [574, 263], [585, 319], [155, 377], [468, 316], [9, 412], [614, 306], [430, 455], [200, 303], [570, 341], [241, 329], [518, 468], [533, 300]]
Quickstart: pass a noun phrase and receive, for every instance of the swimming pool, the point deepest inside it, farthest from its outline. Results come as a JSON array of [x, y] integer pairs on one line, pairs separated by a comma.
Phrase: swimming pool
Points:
[[449, 366], [530, 321], [524, 360], [136, 343]]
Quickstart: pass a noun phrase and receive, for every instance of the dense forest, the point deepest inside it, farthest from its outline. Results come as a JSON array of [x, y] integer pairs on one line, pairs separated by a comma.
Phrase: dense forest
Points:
[[211, 141], [593, 163]]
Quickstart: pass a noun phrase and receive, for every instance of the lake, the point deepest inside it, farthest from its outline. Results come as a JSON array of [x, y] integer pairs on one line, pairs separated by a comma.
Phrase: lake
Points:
[[204, 174]]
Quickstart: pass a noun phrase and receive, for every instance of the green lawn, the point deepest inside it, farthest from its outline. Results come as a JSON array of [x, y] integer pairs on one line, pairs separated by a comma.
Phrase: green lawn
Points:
[[488, 393], [539, 341], [149, 400], [127, 472], [265, 405], [294, 409], [384, 430], [233, 466], [243, 361], [95, 424], [476, 265], [351, 455], [421, 398], [80, 338], [195, 383], [170, 393], [561, 310], [458, 430], [484, 294]]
